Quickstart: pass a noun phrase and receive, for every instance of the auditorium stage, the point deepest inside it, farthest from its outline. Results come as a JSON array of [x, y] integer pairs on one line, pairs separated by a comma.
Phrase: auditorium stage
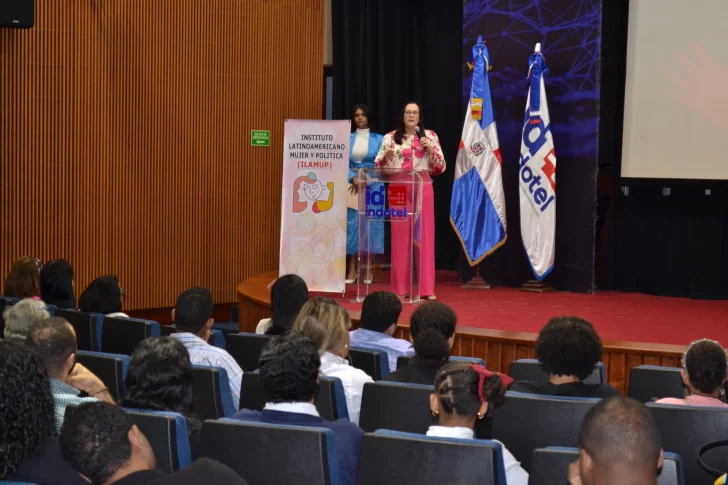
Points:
[[501, 325], [617, 316]]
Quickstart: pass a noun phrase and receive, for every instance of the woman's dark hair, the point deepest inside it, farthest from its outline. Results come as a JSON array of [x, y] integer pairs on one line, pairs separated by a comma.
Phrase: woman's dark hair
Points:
[[287, 295], [431, 326], [27, 416], [705, 362], [367, 112], [23, 280], [103, 296], [569, 346], [399, 132], [456, 387], [56, 282], [159, 376]]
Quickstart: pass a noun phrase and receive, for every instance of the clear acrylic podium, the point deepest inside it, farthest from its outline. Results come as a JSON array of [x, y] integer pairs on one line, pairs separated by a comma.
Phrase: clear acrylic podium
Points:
[[389, 206]]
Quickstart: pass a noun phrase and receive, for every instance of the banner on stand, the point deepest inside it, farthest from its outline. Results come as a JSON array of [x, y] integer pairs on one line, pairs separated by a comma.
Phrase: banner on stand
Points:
[[314, 202]]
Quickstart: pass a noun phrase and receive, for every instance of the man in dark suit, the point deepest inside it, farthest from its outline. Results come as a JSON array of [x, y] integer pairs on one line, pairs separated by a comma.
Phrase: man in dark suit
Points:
[[289, 370]]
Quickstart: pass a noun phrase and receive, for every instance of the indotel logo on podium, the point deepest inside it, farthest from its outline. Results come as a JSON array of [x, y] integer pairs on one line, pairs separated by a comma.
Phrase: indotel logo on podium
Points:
[[375, 206]]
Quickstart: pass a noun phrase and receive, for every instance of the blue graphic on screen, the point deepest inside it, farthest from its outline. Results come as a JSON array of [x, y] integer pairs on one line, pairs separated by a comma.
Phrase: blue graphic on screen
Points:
[[570, 35]]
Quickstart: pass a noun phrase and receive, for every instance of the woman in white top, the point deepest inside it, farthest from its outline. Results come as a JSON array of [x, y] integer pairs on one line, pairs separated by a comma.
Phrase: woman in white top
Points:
[[287, 295], [103, 295], [326, 323], [462, 394]]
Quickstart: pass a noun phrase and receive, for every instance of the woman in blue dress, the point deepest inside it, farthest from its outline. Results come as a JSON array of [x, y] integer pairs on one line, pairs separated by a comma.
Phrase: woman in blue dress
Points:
[[364, 145]]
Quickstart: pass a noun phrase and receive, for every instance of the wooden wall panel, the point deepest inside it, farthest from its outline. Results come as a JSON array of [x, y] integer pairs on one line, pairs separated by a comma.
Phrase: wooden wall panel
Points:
[[124, 137]]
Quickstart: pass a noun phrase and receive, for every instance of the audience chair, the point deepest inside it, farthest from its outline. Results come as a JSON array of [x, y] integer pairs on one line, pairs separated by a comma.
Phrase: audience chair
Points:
[[374, 362], [167, 435], [167, 330], [550, 466], [110, 368], [652, 382], [120, 335], [403, 360], [245, 348], [686, 429], [87, 327], [330, 402], [5, 302], [211, 392], [402, 407], [530, 370], [526, 422], [392, 458], [267, 454]]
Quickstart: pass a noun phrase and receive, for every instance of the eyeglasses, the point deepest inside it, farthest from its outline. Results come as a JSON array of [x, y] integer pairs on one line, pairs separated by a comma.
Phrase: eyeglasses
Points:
[[411, 113]]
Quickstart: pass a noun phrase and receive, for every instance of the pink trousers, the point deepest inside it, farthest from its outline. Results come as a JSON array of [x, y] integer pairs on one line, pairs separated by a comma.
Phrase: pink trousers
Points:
[[424, 249]]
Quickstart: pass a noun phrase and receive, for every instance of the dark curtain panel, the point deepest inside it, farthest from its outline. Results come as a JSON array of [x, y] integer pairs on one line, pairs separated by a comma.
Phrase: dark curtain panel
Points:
[[389, 52]]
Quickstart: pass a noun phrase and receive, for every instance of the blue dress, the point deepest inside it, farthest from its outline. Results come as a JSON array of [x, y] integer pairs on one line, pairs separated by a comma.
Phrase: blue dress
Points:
[[352, 216]]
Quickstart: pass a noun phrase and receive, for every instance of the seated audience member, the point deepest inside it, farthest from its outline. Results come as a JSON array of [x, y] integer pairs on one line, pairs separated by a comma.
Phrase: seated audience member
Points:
[[432, 328], [29, 450], [289, 369], [379, 314], [104, 295], [23, 280], [568, 349], [327, 323], [159, 378], [703, 374], [56, 284], [287, 295], [619, 444], [22, 317], [463, 393], [192, 316], [103, 444], [54, 344]]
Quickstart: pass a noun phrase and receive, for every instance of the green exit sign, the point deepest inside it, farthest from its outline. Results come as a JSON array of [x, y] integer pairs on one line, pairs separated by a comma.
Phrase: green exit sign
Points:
[[260, 138]]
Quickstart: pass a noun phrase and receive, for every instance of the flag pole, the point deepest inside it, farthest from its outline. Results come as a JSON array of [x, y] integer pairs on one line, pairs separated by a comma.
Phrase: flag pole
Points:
[[477, 283]]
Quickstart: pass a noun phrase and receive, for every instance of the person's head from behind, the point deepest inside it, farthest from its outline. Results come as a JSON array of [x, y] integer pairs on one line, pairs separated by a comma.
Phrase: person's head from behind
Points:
[[289, 367], [380, 312], [53, 342], [287, 295], [22, 317], [464, 392], [193, 312], [432, 330], [619, 443], [23, 280], [326, 323], [56, 280], [568, 347], [704, 368], [100, 442], [104, 295], [159, 376], [26, 406]]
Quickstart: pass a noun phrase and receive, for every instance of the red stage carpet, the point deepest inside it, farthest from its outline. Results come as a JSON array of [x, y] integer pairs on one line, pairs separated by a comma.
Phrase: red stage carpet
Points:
[[617, 316]]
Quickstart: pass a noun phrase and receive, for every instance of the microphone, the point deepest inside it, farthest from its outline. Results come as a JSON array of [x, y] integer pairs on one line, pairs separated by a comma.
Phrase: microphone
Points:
[[417, 130]]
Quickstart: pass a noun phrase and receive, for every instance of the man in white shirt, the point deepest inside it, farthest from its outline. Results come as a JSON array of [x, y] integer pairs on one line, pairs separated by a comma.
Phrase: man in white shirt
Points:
[[379, 314], [192, 316]]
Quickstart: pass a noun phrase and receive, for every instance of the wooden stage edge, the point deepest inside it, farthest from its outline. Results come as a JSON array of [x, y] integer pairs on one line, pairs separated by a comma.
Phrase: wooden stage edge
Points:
[[497, 347]]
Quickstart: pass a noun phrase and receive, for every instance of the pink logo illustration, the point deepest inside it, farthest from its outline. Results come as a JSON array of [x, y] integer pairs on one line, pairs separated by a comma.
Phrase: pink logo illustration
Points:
[[310, 190]]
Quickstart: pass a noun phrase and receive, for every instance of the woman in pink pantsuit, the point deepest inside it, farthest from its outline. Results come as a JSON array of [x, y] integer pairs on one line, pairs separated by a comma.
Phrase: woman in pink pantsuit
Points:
[[409, 148]]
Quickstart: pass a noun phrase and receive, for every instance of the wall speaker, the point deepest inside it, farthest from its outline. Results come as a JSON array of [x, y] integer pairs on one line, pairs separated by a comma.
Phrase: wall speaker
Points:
[[18, 14]]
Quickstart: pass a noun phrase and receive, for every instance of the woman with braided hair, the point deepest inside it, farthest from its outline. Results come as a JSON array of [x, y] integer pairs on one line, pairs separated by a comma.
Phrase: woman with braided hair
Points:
[[463, 394]]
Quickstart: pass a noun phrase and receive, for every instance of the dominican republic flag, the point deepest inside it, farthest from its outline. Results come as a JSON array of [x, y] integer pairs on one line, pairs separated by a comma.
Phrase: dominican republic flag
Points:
[[478, 205], [537, 179]]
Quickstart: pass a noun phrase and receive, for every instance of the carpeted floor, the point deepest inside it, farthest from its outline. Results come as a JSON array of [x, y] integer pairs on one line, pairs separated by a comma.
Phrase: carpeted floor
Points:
[[617, 316]]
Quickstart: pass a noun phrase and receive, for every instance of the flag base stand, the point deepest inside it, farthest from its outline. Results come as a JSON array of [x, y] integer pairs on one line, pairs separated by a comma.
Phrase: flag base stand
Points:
[[477, 283], [534, 286]]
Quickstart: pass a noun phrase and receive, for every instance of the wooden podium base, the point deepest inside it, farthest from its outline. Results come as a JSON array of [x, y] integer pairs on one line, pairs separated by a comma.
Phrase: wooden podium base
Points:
[[534, 286], [477, 283]]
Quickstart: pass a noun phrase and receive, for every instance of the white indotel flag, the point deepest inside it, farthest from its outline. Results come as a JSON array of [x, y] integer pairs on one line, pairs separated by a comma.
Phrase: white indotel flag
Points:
[[537, 179], [314, 202]]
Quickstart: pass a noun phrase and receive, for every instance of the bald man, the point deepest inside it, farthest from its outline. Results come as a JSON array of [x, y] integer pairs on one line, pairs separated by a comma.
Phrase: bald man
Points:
[[619, 445]]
